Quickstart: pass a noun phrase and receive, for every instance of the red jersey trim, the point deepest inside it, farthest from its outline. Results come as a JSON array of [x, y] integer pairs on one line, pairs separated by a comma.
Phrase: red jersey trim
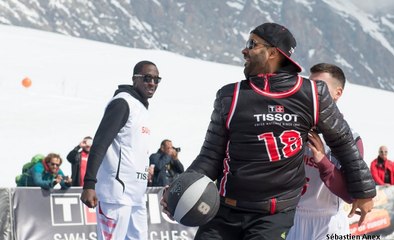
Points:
[[273, 202], [290, 92], [226, 170], [315, 102], [233, 104]]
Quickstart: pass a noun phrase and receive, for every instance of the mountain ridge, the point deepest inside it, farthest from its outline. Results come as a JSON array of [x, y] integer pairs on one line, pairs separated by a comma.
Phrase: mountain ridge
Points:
[[326, 31]]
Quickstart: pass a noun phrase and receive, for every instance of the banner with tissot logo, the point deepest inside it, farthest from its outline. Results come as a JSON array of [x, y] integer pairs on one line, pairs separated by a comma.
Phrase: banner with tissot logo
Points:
[[56, 214], [60, 215], [160, 226]]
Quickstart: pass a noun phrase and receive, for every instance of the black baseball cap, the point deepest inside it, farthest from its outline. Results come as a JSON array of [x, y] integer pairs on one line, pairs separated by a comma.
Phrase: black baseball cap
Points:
[[279, 37]]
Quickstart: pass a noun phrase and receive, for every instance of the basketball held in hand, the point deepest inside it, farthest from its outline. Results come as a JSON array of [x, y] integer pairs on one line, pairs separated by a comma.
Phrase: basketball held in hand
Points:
[[193, 199]]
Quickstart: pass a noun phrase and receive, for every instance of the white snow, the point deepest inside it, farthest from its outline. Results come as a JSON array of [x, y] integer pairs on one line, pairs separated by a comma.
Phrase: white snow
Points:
[[341, 61], [236, 5], [307, 3], [74, 78], [311, 53], [387, 22], [366, 20]]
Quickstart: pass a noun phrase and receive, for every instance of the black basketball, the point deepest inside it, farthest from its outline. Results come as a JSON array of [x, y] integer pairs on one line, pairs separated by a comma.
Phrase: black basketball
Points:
[[193, 199]]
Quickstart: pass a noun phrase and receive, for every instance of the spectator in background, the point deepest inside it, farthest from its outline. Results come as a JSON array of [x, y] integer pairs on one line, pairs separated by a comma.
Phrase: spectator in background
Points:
[[382, 169], [78, 157], [166, 164], [47, 174]]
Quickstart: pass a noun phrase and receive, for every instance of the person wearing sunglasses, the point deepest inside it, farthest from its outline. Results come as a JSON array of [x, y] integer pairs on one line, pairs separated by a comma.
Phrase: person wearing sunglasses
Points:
[[382, 168], [117, 169], [47, 174], [255, 142]]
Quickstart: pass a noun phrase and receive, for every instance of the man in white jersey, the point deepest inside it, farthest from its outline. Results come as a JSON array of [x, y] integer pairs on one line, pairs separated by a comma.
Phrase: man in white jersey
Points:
[[320, 210], [119, 158]]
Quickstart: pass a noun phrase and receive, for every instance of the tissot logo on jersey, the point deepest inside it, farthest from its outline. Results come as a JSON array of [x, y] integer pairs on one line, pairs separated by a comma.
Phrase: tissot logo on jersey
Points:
[[142, 175], [276, 109], [275, 115]]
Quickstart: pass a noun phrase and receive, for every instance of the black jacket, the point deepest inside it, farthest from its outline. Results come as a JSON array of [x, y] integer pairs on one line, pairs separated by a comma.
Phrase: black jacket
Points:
[[166, 168], [238, 156], [74, 157]]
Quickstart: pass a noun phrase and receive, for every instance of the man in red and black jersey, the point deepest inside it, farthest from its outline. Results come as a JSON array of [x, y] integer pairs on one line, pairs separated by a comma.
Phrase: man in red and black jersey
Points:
[[255, 142]]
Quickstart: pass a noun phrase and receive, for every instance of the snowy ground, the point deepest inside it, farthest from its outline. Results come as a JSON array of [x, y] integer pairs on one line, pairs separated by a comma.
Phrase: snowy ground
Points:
[[74, 78]]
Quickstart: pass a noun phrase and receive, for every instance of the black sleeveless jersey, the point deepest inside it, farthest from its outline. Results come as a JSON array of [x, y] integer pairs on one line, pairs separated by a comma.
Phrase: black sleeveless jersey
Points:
[[255, 140], [267, 134]]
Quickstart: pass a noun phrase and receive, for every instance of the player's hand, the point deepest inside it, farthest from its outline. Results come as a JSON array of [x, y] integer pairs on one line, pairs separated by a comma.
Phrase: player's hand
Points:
[[163, 202], [89, 198], [365, 206], [316, 145]]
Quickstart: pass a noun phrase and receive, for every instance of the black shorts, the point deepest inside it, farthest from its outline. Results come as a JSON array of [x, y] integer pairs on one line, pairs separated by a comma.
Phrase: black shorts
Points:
[[233, 224]]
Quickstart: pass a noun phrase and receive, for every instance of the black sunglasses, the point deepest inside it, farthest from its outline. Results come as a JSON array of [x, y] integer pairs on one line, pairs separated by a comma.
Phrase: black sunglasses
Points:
[[251, 43], [148, 78], [55, 164]]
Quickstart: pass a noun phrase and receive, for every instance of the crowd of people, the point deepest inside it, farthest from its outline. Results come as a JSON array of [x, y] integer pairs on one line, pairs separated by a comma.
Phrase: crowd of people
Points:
[[45, 171], [277, 146]]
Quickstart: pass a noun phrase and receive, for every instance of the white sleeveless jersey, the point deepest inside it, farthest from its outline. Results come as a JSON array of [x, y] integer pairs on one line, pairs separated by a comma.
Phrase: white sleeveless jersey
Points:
[[317, 196], [122, 176], [319, 212]]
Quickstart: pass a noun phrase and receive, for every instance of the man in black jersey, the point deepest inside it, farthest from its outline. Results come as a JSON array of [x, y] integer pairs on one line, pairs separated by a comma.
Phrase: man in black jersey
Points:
[[255, 142]]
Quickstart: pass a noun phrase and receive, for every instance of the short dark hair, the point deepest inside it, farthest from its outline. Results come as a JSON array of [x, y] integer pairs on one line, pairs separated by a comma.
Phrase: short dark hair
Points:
[[335, 71], [139, 66], [163, 143]]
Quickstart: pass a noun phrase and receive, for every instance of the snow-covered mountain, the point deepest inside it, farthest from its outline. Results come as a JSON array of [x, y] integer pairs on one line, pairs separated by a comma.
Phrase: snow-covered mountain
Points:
[[347, 33], [72, 80]]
